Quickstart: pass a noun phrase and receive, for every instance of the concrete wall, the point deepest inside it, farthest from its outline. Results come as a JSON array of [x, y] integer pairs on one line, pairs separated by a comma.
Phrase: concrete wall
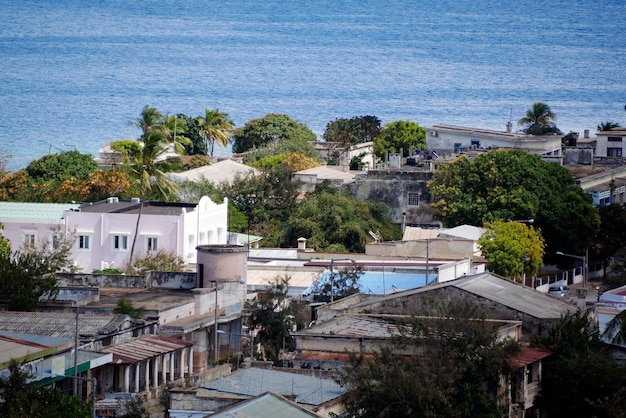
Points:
[[392, 187], [155, 279]]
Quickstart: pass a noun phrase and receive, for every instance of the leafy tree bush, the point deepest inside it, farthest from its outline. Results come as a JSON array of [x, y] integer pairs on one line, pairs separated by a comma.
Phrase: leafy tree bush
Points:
[[512, 249], [580, 379], [352, 131], [338, 284], [22, 401], [126, 307], [513, 184], [62, 166], [272, 127], [334, 221], [155, 261], [400, 135], [29, 273], [448, 364], [539, 120]]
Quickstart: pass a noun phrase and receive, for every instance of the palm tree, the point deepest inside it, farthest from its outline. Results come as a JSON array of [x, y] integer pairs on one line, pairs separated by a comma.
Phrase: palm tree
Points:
[[215, 127], [607, 126], [537, 119], [173, 127], [147, 165]]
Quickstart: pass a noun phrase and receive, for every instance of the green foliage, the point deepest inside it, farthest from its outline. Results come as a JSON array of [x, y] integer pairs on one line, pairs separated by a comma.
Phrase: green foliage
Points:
[[513, 184], [155, 261], [5, 244], [270, 128], [192, 191], [332, 221], [580, 378], [125, 306], [356, 163], [128, 148], [352, 131], [539, 120], [449, 364], [216, 128], [270, 314], [512, 249], [607, 126], [266, 200], [30, 272], [22, 401], [62, 166], [610, 238], [400, 135], [114, 271]]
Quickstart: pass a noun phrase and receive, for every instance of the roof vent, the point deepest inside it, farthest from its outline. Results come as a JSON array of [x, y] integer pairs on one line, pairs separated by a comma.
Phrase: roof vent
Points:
[[112, 200], [135, 200]]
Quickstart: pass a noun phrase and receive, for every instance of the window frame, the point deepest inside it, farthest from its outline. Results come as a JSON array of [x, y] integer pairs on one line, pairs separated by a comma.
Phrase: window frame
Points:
[[119, 242]]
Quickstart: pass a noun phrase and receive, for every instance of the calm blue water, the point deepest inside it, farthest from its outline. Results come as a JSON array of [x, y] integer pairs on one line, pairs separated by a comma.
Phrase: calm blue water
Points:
[[75, 72]]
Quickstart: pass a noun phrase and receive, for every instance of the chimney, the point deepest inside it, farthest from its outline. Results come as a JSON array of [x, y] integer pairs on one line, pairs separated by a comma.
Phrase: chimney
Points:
[[302, 244], [586, 133]]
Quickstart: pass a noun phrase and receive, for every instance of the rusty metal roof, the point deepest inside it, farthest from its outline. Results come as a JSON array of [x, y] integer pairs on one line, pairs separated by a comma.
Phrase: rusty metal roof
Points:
[[529, 355], [140, 349]]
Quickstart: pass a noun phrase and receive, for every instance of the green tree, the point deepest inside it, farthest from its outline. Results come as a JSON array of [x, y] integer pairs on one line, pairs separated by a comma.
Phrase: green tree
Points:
[[215, 127], [512, 249], [580, 377], [449, 364], [352, 131], [401, 135], [5, 244], [539, 120], [155, 261], [22, 401], [610, 238], [270, 315], [126, 307], [267, 200], [62, 166], [513, 184], [607, 126], [29, 273], [174, 129], [270, 128], [337, 222]]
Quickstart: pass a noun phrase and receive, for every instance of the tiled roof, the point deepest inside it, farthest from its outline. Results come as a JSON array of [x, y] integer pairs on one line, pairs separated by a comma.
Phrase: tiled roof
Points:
[[529, 355]]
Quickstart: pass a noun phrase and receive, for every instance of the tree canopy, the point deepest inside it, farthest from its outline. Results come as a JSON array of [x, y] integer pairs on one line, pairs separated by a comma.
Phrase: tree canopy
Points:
[[512, 249], [352, 131], [216, 128], [270, 128], [62, 166], [539, 120], [400, 135], [334, 221], [448, 364], [513, 184]]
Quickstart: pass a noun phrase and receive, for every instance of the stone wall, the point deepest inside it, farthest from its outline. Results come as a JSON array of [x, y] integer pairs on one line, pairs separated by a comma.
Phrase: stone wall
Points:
[[158, 279]]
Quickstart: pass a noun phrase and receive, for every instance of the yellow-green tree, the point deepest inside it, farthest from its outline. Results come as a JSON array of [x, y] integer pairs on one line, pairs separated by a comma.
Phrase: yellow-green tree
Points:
[[512, 249]]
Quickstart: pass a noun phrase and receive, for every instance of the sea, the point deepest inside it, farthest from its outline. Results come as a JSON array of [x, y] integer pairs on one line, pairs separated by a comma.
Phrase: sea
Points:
[[74, 74]]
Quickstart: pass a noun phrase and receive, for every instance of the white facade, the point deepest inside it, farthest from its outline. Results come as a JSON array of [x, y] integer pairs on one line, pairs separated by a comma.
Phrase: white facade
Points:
[[611, 144], [448, 137], [105, 230]]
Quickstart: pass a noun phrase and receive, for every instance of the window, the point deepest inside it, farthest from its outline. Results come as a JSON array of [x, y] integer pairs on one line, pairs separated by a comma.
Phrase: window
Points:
[[153, 244], [615, 139], [613, 152], [29, 239], [413, 199], [120, 242], [83, 242]]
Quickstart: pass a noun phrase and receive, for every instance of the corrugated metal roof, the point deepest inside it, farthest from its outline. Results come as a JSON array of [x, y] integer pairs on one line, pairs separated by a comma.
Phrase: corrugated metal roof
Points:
[[55, 324], [268, 405], [140, 349], [254, 381], [42, 211], [354, 326]]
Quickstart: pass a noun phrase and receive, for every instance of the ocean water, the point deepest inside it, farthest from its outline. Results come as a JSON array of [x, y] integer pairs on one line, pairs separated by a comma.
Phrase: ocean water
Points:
[[74, 72]]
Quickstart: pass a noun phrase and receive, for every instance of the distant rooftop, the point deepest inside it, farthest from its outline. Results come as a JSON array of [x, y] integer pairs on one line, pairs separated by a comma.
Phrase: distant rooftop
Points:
[[39, 211]]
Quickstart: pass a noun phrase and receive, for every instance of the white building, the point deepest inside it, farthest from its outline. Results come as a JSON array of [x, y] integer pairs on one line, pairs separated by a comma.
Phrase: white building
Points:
[[449, 137], [611, 143], [105, 230]]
